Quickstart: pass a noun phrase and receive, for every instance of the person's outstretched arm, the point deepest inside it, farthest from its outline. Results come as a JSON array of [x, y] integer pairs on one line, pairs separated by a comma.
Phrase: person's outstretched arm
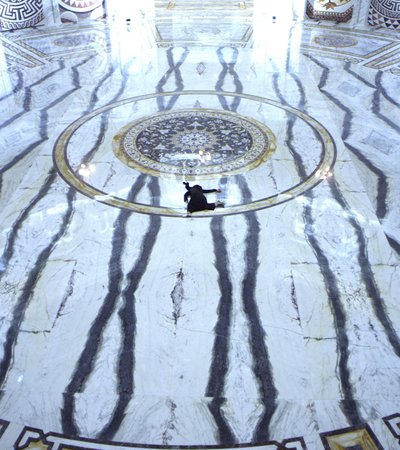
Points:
[[208, 191]]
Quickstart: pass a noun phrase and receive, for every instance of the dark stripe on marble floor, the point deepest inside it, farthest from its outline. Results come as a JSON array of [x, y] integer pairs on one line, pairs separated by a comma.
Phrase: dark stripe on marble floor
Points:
[[301, 105], [376, 108], [347, 68], [30, 284], [220, 353], [9, 246], [393, 243], [105, 116], [261, 362], [349, 405], [365, 266], [378, 81], [291, 47], [85, 363], [27, 106], [127, 314], [94, 98], [382, 185], [291, 120], [18, 87], [115, 274], [125, 388], [367, 274], [51, 176], [43, 126], [173, 69], [222, 331], [228, 68]]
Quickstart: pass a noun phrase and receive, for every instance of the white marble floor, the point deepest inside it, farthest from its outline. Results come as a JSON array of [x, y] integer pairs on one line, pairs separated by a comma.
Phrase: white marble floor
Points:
[[273, 321]]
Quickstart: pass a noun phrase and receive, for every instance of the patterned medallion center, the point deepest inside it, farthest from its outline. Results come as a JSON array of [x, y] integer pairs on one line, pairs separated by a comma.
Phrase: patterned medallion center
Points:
[[193, 142], [335, 41]]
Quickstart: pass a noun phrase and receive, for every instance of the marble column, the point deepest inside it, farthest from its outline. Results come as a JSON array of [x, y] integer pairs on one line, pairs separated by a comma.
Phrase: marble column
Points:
[[338, 11], [385, 13], [15, 14], [360, 14], [51, 12]]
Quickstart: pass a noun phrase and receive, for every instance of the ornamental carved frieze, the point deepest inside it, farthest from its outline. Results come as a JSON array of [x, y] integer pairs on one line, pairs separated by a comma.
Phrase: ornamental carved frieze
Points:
[[384, 13], [15, 14]]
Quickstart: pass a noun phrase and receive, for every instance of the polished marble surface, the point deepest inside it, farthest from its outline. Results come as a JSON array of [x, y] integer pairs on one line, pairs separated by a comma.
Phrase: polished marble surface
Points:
[[272, 321]]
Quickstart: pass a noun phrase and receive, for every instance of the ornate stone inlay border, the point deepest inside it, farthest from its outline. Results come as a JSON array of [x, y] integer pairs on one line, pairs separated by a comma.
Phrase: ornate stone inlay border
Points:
[[319, 174], [384, 13], [357, 437], [194, 142], [15, 14], [80, 6]]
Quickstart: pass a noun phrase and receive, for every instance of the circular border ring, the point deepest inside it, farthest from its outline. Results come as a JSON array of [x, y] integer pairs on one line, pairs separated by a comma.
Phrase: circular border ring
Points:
[[318, 175]]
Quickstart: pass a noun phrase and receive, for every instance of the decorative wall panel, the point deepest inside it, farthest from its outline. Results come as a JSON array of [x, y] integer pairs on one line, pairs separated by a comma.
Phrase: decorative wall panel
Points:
[[338, 10], [385, 13], [75, 10], [16, 14]]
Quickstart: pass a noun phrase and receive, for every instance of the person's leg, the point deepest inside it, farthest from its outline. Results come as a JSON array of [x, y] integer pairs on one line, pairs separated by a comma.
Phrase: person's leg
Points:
[[212, 206]]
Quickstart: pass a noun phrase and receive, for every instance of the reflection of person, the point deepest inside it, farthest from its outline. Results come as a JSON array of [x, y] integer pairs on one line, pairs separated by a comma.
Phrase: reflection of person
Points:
[[198, 201]]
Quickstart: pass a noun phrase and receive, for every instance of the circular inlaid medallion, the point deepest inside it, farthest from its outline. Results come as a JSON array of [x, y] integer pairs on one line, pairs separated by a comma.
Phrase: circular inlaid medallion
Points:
[[147, 133], [80, 40], [194, 142], [332, 40]]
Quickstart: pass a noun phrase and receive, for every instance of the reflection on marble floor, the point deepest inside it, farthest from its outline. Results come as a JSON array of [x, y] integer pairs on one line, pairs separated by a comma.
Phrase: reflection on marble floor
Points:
[[272, 321]]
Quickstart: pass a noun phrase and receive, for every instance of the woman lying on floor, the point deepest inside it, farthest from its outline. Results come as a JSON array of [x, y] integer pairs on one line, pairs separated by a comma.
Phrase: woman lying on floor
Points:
[[198, 201]]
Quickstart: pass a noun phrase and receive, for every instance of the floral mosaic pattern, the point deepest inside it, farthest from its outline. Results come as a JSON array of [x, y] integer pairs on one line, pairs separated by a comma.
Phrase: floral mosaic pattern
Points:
[[338, 10], [193, 142]]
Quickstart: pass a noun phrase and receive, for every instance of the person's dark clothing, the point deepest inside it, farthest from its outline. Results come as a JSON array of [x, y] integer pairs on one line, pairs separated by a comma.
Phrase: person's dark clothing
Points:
[[198, 201]]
